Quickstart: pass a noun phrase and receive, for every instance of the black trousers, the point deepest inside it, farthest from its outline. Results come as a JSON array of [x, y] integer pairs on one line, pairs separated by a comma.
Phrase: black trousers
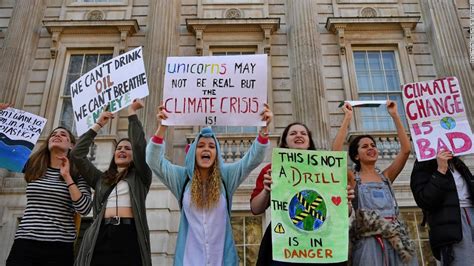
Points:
[[117, 245], [26, 252], [265, 254]]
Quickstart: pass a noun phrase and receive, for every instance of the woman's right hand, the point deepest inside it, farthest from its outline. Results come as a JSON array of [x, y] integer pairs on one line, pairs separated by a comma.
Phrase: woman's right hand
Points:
[[4, 106], [347, 109], [267, 180], [160, 116], [442, 159], [104, 118]]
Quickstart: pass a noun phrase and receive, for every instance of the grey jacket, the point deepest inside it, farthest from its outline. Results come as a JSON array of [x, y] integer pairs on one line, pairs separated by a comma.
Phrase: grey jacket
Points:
[[139, 180]]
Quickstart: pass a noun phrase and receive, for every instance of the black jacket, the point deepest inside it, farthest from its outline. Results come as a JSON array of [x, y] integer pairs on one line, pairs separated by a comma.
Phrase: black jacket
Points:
[[436, 194]]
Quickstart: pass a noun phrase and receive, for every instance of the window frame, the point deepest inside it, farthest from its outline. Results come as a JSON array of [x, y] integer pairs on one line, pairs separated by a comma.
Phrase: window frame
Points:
[[63, 79], [244, 215], [354, 88]]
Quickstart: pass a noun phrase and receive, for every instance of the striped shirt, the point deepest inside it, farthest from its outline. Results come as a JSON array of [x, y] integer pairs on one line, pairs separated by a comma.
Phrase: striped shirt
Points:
[[49, 213]]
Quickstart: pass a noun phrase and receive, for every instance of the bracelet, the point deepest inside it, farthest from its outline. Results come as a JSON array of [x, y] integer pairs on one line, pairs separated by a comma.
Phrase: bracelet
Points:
[[101, 126], [71, 184], [264, 134]]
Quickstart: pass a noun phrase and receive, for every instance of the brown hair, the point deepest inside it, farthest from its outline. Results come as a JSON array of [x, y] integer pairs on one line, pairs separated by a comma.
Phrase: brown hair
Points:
[[39, 161], [112, 175], [205, 194]]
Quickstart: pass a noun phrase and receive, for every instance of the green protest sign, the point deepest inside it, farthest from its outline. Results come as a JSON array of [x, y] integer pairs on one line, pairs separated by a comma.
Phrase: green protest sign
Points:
[[310, 220]]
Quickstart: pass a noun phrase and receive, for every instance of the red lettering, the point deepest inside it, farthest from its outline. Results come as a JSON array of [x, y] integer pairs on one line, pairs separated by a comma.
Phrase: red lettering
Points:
[[426, 151], [459, 135], [452, 83], [328, 253], [405, 91]]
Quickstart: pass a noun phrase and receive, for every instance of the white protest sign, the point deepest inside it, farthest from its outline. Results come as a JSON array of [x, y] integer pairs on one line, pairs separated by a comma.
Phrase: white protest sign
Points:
[[19, 132], [116, 82], [437, 117], [215, 90]]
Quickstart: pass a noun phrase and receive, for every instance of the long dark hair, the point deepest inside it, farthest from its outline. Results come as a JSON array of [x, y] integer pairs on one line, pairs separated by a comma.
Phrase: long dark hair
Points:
[[111, 176], [283, 143], [39, 161], [353, 149]]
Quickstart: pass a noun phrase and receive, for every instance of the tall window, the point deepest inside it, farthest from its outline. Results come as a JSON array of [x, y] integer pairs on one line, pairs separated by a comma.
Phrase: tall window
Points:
[[232, 129], [79, 64], [247, 235], [378, 78]]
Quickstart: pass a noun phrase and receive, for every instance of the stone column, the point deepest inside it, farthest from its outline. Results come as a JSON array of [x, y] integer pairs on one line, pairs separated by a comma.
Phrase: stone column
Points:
[[308, 93], [19, 49], [161, 42], [449, 48]]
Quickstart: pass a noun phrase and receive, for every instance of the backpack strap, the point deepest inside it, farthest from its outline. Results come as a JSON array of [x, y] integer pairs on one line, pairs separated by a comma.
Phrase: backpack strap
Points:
[[184, 188]]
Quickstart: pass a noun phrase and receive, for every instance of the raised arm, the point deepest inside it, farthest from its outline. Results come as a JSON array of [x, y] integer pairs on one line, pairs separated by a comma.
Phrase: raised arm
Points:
[[260, 202], [338, 142], [79, 191], [394, 169], [240, 170], [429, 181], [137, 138], [173, 176], [79, 153]]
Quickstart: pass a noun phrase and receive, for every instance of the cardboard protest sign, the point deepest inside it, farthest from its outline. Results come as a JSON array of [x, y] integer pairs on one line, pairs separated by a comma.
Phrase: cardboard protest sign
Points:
[[215, 90], [437, 117], [19, 132], [116, 82], [310, 221]]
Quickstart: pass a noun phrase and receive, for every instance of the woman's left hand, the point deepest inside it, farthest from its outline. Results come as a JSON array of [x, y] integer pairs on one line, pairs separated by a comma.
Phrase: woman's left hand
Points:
[[266, 114], [65, 166], [392, 108], [350, 197], [136, 105]]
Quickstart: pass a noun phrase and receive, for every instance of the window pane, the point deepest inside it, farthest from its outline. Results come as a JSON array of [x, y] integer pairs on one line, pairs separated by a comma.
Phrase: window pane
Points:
[[90, 62], [75, 64], [374, 60], [360, 61], [378, 81], [393, 82], [67, 119], [238, 229], [389, 60], [251, 255]]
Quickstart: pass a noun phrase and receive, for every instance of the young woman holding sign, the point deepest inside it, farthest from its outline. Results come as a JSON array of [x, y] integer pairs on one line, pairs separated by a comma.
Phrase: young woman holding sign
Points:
[[204, 188], [54, 193], [378, 236], [119, 234], [444, 189], [294, 136]]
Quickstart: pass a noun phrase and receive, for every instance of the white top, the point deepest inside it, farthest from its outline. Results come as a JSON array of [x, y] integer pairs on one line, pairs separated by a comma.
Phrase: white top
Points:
[[206, 233], [120, 196], [461, 187]]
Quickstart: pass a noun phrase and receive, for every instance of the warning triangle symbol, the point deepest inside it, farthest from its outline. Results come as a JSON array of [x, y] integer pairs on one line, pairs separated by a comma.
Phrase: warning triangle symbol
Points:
[[279, 229]]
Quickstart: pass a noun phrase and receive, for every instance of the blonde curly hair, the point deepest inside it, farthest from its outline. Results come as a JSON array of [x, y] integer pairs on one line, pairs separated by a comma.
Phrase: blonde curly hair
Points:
[[205, 193]]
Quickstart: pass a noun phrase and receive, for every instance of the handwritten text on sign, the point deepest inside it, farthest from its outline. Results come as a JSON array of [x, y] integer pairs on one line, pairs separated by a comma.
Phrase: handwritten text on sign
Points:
[[19, 132], [116, 82], [437, 117], [309, 206], [215, 90]]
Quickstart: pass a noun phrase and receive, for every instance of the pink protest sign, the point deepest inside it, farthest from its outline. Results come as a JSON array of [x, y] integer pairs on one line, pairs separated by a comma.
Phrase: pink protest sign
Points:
[[437, 117]]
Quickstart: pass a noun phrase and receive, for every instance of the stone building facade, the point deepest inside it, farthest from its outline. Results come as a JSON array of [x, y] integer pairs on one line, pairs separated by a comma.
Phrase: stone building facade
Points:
[[320, 52]]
